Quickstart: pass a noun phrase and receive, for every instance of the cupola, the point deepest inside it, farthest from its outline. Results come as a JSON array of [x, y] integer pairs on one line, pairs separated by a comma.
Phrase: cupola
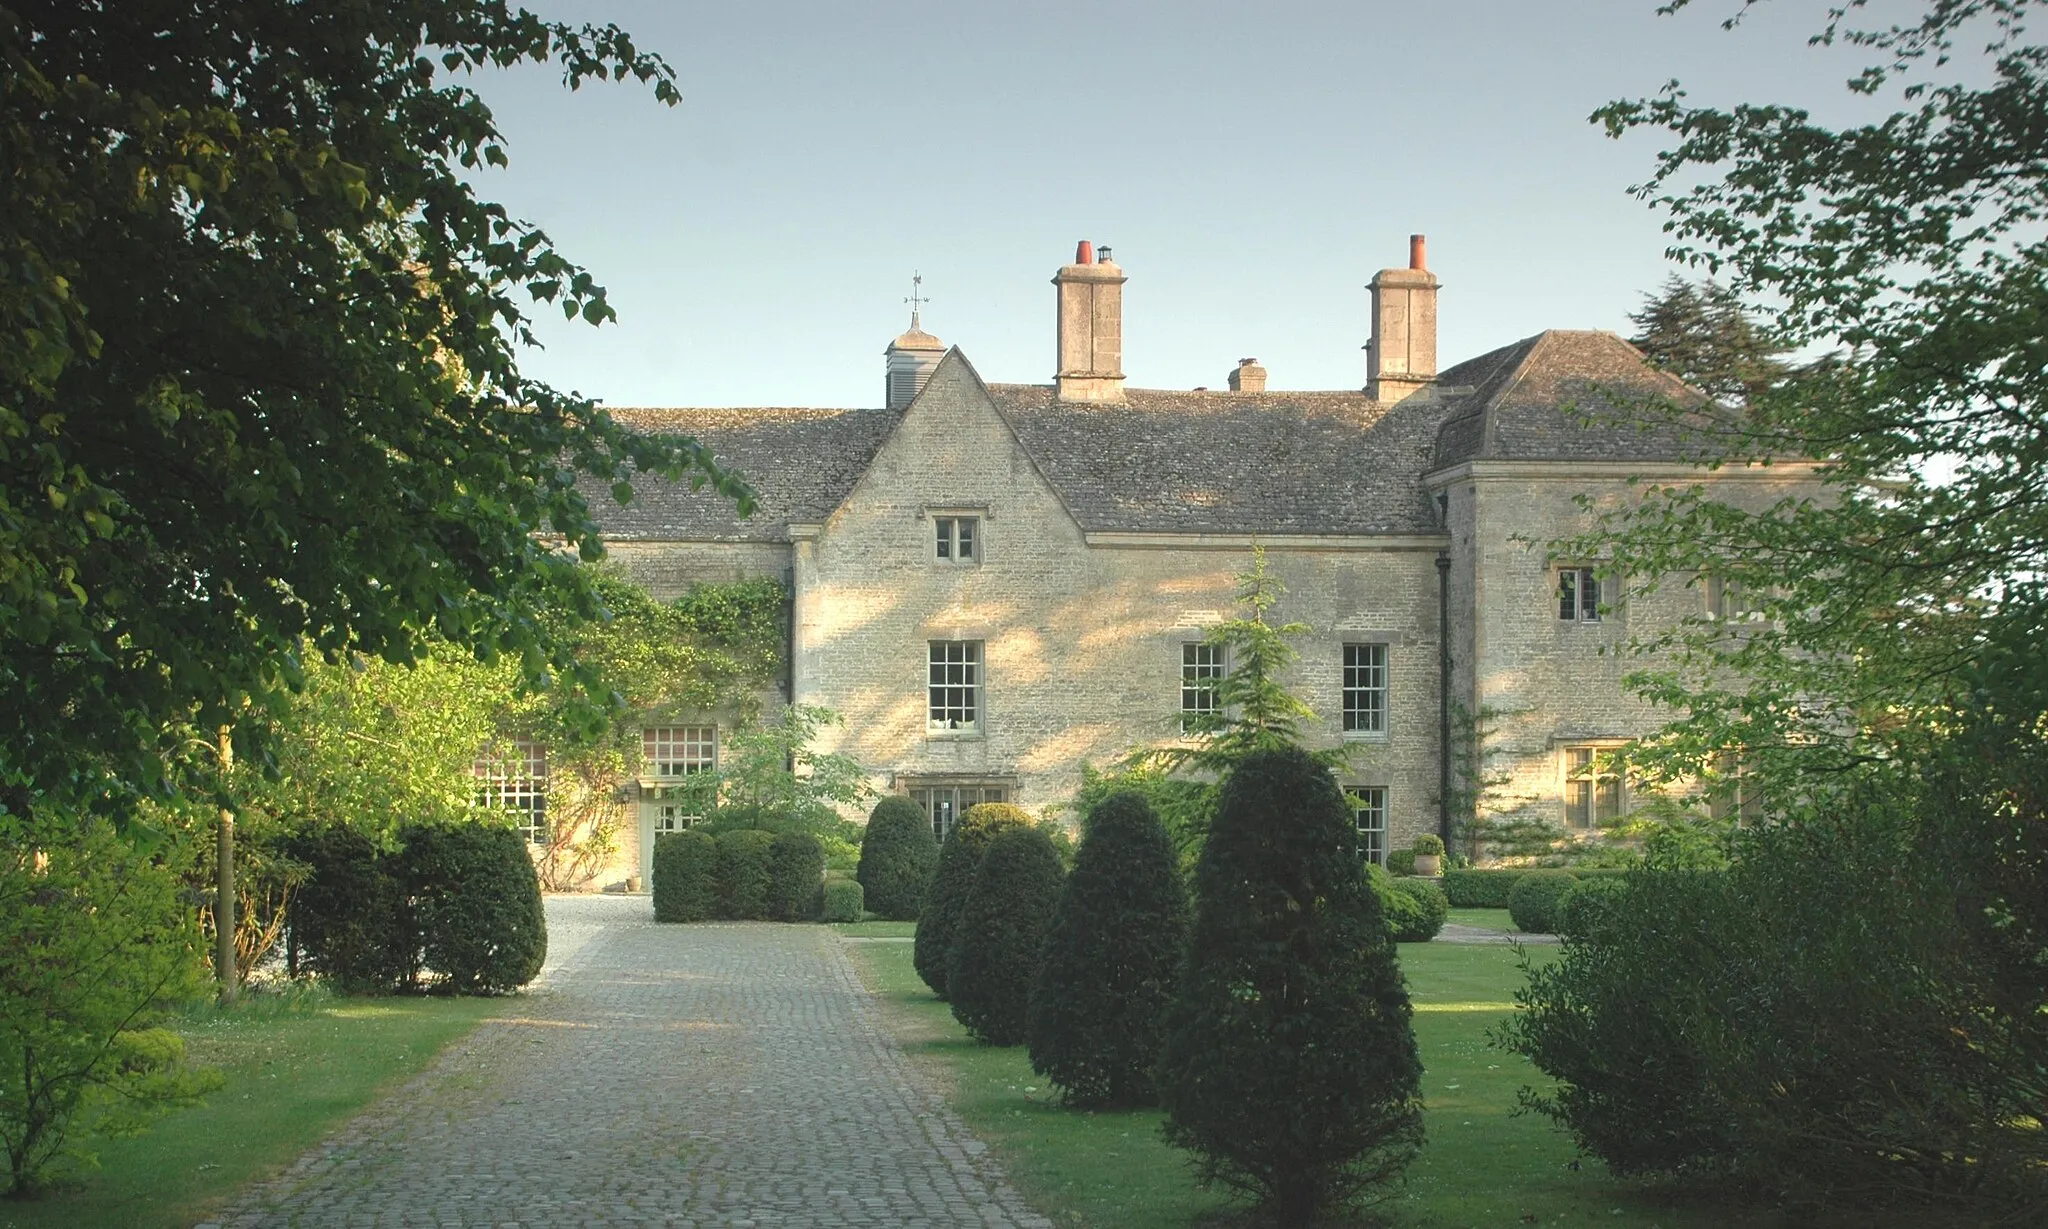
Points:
[[912, 357]]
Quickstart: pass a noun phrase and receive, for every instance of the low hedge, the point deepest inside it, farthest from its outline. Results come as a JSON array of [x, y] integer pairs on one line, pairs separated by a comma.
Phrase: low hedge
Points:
[[744, 875], [796, 873], [685, 877], [1534, 902], [1480, 889], [843, 900], [452, 908]]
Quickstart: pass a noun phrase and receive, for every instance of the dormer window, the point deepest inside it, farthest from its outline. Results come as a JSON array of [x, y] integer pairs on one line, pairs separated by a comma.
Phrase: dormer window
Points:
[[959, 538]]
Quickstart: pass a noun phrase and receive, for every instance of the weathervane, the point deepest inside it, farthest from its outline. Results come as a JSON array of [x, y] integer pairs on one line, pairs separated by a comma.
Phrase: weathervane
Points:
[[915, 299]]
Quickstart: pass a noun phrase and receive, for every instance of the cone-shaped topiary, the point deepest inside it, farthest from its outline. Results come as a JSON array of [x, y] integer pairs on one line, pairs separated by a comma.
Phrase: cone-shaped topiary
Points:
[[1098, 1009], [959, 857], [1002, 933], [1290, 1066], [897, 857]]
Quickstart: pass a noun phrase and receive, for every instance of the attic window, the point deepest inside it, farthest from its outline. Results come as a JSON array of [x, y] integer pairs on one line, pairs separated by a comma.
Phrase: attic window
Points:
[[959, 538]]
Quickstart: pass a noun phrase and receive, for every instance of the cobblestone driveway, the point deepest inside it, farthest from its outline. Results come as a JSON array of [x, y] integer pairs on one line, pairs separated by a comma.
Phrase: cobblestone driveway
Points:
[[659, 1075]]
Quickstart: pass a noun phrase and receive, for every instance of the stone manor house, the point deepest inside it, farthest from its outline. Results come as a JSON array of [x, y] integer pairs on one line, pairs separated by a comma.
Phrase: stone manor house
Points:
[[994, 584]]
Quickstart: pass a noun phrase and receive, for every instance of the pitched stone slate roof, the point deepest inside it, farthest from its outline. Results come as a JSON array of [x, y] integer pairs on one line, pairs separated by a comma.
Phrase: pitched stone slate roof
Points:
[[801, 464], [1561, 396], [1322, 463], [1221, 462]]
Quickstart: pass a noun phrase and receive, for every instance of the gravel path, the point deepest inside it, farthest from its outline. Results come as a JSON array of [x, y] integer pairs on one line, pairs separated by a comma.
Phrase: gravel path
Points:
[[658, 1075]]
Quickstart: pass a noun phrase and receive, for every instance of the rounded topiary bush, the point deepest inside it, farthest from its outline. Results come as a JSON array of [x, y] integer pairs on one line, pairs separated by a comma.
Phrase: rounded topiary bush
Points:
[[476, 902], [796, 873], [1290, 1066], [350, 920], [1001, 935], [685, 876], [1428, 910], [959, 857], [1098, 1009], [1533, 903], [1401, 862], [1586, 904], [1428, 844], [842, 900], [743, 874], [897, 857]]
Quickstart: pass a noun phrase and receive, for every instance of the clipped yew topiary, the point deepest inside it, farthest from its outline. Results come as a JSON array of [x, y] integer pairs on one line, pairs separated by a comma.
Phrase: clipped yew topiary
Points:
[[476, 902], [743, 874], [842, 900], [685, 876], [1290, 1067], [1533, 904], [350, 919], [959, 857], [796, 875], [1001, 935], [1098, 1009], [897, 857]]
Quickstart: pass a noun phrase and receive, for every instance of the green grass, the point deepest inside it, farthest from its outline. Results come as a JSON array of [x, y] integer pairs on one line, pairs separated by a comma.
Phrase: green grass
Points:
[[1482, 1166], [876, 929], [293, 1071], [1485, 919]]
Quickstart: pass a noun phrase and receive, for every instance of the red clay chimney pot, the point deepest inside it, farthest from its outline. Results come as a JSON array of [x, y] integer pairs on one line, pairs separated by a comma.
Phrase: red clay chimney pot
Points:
[[1416, 258], [1084, 253]]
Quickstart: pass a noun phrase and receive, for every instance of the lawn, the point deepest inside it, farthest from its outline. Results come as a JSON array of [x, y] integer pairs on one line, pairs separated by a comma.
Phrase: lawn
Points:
[[1484, 919], [1483, 1165], [876, 930], [294, 1069]]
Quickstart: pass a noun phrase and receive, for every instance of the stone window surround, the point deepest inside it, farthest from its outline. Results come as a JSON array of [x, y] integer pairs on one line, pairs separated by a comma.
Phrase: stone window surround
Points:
[[1568, 777], [1378, 720], [956, 681], [1568, 594], [943, 516]]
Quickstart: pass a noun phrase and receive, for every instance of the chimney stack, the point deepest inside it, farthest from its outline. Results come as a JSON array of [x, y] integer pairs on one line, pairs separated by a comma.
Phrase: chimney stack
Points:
[[1402, 361], [1249, 377], [1091, 328]]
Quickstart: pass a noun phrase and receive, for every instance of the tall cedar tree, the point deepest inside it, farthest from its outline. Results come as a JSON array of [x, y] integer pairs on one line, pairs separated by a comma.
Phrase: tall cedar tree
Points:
[[1290, 1066], [1105, 980], [897, 857], [944, 900], [260, 384], [1701, 333], [995, 953]]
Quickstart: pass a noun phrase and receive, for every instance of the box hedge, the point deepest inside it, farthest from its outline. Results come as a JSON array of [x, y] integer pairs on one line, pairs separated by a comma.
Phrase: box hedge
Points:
[[843, 900], [685, 877], [796, 874], [1533, 904]]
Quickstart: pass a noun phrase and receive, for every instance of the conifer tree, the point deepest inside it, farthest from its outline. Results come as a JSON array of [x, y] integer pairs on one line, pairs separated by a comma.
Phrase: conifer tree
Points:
[[959, 858], [1290, 1066], [897, 857], [996, 949], [1098, 1008]]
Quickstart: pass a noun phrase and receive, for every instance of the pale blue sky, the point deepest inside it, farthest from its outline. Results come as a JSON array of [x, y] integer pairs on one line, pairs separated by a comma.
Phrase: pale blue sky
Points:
[[1252, 165]]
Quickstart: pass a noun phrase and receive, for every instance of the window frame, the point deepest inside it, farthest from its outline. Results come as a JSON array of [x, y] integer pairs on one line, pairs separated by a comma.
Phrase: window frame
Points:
[[1594, 782], [943, 813], [971, 690], [1350, 716], [1201, 708], [692, 738], [512, 774], [1577, 579], [1369, 842], [951, 545]]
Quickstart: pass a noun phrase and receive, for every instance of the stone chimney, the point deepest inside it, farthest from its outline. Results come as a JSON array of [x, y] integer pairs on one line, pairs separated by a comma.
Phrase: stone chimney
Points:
[[1091, 328], [1249, 377], [912, 358], [1402, 361]]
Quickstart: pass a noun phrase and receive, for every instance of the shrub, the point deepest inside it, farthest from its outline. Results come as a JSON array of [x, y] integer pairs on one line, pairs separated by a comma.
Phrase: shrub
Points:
[[796, 875], [1480, 889], [1533, 903], [897, 857], [83, 1054], [743, 874], [685, 876], [1001, 935], [843, 900], [1587, 901], [1401, 862], [959, 857], [1290, 1065], [1098, 1009], [476, 906], [350, 920], [1429, 843], [1429, 912]]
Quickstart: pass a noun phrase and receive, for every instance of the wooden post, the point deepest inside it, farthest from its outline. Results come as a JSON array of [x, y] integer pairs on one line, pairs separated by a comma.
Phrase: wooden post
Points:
[[224, 885]]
